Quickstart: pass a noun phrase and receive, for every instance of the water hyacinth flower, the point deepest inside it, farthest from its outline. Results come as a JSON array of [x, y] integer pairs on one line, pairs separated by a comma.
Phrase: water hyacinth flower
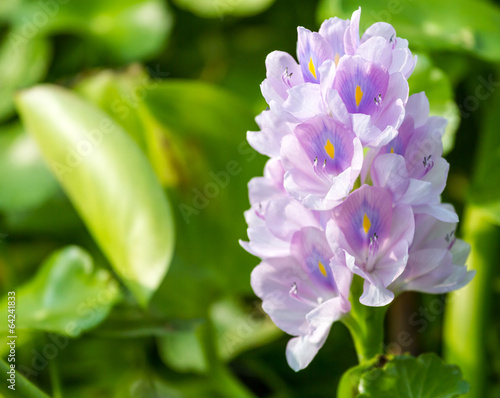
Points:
[[374, 236], [411, 166], [322, 161], [304, 293], [351, 192], [436, 263]]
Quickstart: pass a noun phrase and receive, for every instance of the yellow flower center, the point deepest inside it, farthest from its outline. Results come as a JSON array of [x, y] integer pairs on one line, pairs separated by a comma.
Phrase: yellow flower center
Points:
[[312, 69], [358, 95], [330, 149], [322, 269], [366, 224]]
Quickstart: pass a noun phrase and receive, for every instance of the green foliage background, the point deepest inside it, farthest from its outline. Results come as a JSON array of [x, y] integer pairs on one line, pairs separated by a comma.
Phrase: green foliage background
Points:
[[124, 257]]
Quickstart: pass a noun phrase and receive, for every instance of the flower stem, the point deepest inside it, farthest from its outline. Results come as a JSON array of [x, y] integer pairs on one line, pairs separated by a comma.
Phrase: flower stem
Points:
[[366, 325]]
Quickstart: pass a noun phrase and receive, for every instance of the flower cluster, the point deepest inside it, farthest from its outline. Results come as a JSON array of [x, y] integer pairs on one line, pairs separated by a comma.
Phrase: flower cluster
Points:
[[352, 185]]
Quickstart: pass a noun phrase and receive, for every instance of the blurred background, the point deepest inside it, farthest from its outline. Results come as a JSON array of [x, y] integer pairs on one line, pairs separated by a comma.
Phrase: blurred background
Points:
[[181, 79]]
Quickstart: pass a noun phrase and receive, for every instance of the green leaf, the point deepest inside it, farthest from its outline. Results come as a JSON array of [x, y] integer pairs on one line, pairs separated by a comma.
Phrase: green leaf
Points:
[[66, 296], [122, 94], [25, 181], [22, 64], [125, 30], [349, 382], [458, 25], [109, 181], [437, 86], [408, 377], [485, 188], [220, 8]]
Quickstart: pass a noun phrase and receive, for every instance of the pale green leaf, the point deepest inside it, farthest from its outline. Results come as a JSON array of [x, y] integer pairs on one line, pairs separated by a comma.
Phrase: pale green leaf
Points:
[[109, 181], [220, 8]]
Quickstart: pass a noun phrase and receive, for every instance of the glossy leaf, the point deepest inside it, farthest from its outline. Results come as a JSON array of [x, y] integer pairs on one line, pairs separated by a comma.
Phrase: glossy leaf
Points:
[[459, 25], [408, 377], [122, 95], [25, 181], [66, 296], [220, 8], [109, 181]]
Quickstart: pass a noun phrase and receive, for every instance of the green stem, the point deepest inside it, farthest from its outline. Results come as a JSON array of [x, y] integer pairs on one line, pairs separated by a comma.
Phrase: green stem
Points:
[[468, 309], [24, 389], [366, 325]]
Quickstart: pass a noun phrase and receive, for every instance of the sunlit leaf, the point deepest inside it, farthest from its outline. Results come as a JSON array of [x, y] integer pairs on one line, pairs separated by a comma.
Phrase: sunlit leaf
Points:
[[220, 8], [458, 25], [25, 181], [408, 377], [67, 295], [109, 181], [122, 95]]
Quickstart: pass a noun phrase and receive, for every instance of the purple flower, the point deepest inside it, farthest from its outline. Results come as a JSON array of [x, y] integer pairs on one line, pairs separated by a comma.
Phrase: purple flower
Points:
[[312, 51], [334, 30], [304, 293], [437, 258], [374, 237], [322, 160], [411, 166], [373, 98], [274, 217], [337, 119], [273, 129], [283, 73], [401, 57]]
